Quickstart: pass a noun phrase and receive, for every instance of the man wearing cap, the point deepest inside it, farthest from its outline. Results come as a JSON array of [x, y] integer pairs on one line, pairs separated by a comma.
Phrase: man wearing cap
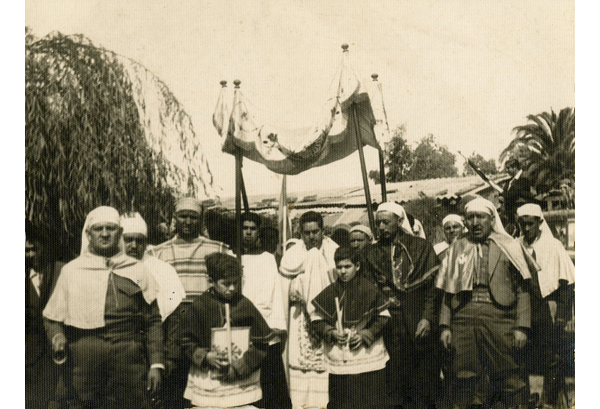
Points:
[[551, 297], [360, 236], [186, 252], [104, 311], [517, 190], [486, 313], [404, 267]]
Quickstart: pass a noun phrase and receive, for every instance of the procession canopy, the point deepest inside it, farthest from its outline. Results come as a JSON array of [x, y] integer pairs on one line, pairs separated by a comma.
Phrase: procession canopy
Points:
[[291, 151]]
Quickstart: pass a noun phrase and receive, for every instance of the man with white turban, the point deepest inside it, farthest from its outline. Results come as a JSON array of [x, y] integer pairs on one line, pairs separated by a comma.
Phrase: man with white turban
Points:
[[404, 268], [360, 236], [550, 297], [104, 310], [486, 313], [186, 252], [453, 228]]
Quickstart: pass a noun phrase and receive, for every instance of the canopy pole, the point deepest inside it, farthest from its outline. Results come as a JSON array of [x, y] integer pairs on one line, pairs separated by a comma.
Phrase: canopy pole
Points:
[[363, 167], [243, 187], [238, 198], [381, 157], [382, 176]]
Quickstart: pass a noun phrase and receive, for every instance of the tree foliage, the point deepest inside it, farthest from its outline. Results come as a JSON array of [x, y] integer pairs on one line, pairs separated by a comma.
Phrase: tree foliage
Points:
[[546, 146], [89, 141], [397, 159], [487, 166], [431, 160]]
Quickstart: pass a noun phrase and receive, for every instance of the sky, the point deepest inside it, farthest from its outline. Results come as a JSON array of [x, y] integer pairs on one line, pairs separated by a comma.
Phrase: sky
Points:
[[467, 72]]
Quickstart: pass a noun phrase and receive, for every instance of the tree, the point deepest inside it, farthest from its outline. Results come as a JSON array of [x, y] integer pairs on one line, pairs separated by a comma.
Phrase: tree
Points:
[[431, 160], [397, 158], [487, 166], [546, 145], [101, 129]]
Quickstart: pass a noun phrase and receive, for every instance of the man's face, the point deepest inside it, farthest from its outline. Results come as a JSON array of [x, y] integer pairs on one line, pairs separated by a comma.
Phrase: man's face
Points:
[[388, 225], [135, 244], [250, 234], [226, 287], [104, 238], [32, 253], [512, 170], [479, 225], [452, 230], [346, 269], [530, 226], [358, 240], [312, 235], [187, 224]]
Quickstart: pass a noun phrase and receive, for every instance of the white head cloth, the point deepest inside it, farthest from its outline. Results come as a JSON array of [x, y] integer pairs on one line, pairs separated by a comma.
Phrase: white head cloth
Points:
[[102, 214], [531, 209], [133, 223], [398, 211], [363, 229], [481, 205], [453, 218]]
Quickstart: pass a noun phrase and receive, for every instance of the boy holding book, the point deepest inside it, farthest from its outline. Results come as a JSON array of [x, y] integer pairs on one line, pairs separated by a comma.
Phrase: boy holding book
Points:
[[226, 338], [349, 315]]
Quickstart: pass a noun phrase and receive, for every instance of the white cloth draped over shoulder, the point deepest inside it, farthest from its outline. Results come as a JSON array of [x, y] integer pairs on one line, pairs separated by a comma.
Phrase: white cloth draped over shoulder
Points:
[[170, 290]]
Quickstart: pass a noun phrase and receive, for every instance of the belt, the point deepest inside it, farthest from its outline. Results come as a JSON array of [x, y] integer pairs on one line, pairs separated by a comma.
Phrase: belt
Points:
[[481, 294]]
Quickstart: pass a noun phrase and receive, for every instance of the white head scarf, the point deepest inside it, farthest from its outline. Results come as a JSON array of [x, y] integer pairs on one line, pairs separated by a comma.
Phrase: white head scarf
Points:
[[453, 218], [102, 214], [363, 229], [398, 210], [531, 209], [133, 223], [485, 206]]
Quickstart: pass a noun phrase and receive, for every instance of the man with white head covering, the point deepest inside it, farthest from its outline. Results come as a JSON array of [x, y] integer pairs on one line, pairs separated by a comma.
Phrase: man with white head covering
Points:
[[550, 297], [360, 236], [186, 252], [486, 314], [104, 310], [404, 267], [453, 228]]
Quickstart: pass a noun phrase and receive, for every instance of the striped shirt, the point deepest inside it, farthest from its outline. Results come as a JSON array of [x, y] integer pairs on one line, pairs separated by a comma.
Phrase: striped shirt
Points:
[[188, 259]]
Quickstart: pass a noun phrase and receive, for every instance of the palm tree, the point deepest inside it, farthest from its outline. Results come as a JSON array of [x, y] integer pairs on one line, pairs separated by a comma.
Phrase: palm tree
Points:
[[546, 146], [101, 129]]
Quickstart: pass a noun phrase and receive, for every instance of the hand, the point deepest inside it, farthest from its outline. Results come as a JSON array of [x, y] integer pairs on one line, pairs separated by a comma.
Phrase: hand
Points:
[[423, 329], [520, 339], [446, 338], [59, 343], [355, 341], [570, 327], [154, 380], [216, 361], [338, 337]]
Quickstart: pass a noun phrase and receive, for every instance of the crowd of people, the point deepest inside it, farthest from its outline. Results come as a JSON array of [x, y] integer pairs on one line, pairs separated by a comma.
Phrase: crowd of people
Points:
[[357, 319]]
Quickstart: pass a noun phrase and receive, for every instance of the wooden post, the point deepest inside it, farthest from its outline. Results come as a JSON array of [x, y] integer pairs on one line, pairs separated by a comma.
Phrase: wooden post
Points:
[[244, 195], [381, 158], [229, 337], [382, 177], [361, 154], [363, 168], [238, 192]]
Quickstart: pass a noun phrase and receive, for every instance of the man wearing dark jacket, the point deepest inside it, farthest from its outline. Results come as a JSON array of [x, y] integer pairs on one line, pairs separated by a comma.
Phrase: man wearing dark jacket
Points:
[[404, 267], [41, 273]]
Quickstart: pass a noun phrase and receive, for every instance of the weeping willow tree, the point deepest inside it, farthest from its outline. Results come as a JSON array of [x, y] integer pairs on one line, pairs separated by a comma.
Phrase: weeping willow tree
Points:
[[100, 129]]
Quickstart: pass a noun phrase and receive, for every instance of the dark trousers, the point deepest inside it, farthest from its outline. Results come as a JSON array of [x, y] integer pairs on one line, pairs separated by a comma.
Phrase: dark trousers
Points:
[[40, 382], [413, 371], [542, 351], [108, 374], [482, 336], [273, 380]]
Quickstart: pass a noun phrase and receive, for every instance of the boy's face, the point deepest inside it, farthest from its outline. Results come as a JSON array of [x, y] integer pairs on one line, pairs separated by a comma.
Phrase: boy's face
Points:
[[226, 287], [346, 269]]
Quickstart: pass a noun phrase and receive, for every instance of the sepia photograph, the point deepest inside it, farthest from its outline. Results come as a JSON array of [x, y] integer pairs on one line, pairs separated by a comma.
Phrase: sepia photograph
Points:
[[300, 204]]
